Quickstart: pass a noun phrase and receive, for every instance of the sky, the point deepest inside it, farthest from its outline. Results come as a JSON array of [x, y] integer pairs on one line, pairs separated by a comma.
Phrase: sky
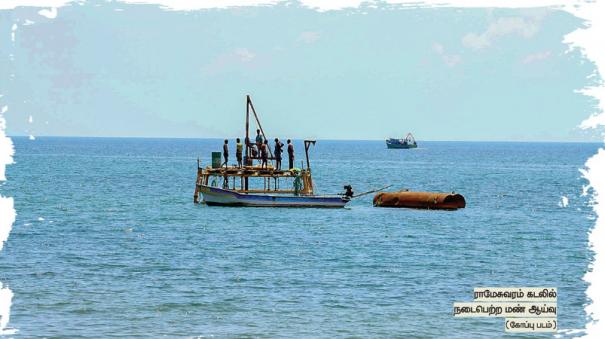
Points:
[[113, 69]]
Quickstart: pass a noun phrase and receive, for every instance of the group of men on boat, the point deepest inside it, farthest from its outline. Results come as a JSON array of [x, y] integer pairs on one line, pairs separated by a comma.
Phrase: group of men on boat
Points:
[[259, 150]]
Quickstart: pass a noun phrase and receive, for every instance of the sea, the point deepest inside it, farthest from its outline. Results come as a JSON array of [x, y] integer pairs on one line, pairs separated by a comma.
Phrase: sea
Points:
[[108, 243]]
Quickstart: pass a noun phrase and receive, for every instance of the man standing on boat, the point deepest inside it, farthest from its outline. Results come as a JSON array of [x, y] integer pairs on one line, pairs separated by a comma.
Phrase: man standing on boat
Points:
[[290, 154], [278, 151], [248, 161], [226, 152], [238, 152], [264, 149], [259, 139]]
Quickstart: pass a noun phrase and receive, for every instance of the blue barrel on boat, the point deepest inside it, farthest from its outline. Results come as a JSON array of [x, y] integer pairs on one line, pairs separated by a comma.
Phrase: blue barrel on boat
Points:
[[216, 159]]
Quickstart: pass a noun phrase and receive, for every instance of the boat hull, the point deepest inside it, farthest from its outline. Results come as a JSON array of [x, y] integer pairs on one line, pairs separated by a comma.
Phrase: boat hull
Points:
[[402, 143], [400, 146], [214, 196]]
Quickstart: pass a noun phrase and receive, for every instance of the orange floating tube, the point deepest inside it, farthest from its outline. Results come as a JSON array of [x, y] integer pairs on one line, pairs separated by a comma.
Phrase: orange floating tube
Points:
[[425, 200]]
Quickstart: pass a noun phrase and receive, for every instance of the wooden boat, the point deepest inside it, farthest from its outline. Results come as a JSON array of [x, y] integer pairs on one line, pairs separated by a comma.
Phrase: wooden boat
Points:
[[405, 143], [254, 185], [226, 197]]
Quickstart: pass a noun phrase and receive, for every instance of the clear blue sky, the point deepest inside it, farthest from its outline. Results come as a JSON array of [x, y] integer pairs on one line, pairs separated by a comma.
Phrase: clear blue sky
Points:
[[111, 69]]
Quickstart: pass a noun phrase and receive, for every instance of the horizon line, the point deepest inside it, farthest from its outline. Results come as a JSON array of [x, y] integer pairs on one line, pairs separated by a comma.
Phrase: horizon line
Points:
[[324, 139]]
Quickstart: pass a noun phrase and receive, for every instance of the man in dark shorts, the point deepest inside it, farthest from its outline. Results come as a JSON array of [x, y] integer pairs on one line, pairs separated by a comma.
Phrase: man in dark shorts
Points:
[[277, 152], [264, 150], [226, 152], [238, 152], [290, 154]]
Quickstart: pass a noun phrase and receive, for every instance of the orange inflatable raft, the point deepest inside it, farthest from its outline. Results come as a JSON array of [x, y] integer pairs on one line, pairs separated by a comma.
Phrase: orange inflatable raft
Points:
[[425, 200]]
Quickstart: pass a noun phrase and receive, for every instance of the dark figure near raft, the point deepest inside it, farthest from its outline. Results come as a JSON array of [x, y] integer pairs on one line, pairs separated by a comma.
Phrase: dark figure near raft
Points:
[[264, 150], [226, 152], [238, 152], [348, 191], [290, 154], [278, 151]]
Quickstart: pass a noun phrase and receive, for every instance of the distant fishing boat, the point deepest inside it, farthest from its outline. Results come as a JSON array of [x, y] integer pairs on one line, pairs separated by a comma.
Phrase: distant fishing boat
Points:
[[405, 143], [258, 186]]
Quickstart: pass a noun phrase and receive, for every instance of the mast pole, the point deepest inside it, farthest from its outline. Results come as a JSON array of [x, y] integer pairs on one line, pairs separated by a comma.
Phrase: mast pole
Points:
[[258, 122], [307, 144], [247, 140]]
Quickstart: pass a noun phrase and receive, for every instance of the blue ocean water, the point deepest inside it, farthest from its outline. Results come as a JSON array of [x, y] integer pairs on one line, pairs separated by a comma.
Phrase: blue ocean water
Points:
[[108, 243]]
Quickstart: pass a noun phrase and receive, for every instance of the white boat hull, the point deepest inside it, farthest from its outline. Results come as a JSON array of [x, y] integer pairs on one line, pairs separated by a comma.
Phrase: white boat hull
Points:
[[223, 197]]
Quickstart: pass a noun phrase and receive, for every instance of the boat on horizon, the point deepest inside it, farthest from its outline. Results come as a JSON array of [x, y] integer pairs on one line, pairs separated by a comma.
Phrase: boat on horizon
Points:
[[253, 185], [405, 143]]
